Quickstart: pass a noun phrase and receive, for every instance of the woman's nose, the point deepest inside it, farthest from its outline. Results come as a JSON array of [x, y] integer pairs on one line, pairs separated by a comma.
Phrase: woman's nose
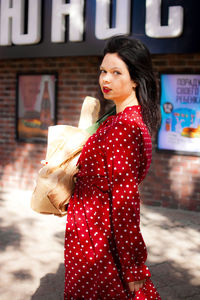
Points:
[[106, 78]]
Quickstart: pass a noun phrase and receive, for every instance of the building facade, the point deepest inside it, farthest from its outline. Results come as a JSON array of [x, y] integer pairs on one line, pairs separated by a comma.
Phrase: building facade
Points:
[[173, 179]]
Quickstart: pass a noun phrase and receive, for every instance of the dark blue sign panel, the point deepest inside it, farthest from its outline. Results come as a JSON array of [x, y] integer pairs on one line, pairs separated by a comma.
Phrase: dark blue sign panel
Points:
[[49, 28]]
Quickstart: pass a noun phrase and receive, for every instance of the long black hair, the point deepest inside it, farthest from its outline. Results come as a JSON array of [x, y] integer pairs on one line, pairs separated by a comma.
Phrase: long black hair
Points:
[[138, 60]]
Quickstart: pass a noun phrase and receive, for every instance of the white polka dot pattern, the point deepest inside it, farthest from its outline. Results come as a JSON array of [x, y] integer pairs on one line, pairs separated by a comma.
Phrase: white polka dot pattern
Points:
[[104, 248]]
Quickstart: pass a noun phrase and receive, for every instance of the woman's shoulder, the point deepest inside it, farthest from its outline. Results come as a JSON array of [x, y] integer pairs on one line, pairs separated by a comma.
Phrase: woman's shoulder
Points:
[[123, 128], [129, 126], [132, 118], [129, 121]]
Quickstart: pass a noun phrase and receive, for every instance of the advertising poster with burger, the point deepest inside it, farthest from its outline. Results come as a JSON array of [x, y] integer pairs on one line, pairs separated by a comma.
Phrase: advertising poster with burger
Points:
[[180, 110], [35, 107]]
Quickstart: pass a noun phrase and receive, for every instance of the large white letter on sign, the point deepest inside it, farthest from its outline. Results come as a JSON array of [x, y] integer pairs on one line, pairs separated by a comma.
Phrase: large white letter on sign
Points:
[[12, 22], [33, 34], [6, 15], [75, 10], [153, 20], [102, 26]]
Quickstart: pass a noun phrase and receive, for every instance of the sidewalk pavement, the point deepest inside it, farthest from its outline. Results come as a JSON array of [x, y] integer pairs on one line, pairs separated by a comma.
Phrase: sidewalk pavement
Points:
[[31, 251]]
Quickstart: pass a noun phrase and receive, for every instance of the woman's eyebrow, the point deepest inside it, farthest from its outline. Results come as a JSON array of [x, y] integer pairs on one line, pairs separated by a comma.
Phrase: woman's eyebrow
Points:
[[114, 68]]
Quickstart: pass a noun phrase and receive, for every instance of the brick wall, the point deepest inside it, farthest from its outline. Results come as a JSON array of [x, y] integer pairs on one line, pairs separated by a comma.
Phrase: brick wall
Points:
[[173, 180]]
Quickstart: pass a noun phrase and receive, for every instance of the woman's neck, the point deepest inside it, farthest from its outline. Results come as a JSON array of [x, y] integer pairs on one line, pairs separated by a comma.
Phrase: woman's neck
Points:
[[130, 101]]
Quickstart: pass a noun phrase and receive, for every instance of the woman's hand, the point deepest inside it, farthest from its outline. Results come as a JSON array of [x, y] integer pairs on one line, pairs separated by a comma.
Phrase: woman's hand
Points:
[[136, 285]]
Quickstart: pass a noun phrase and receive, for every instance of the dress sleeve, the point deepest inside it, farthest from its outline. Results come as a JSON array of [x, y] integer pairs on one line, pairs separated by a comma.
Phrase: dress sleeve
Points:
[[124, 157]]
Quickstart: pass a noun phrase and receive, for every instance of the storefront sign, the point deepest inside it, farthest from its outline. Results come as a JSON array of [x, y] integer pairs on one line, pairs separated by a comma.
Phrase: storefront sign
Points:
[[180, 108], [80, 27]]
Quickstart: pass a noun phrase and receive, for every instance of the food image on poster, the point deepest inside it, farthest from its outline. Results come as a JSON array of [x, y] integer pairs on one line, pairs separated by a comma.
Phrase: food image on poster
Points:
[[180, 111]]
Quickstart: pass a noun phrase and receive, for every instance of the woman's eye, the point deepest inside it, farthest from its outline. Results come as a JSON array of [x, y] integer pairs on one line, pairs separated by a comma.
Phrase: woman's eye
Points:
[[117, 73], [102, 71]]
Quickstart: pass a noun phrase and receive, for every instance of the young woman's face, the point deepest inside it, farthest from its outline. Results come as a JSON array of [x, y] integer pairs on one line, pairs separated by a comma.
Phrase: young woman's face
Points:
[[115, 81]]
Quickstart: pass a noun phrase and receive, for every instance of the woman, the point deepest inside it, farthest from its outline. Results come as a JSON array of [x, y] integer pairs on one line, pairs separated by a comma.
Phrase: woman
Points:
[[104, 249]]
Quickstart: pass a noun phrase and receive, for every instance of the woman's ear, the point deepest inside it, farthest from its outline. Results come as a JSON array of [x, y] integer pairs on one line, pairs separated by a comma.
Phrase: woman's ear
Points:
[[134, 84]]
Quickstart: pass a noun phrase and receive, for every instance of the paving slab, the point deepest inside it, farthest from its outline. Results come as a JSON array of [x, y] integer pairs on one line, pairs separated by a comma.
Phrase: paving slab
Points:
[[31, 250]]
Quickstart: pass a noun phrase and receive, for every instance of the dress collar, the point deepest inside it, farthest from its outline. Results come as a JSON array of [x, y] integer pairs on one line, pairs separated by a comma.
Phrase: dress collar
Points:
[[130, 109]]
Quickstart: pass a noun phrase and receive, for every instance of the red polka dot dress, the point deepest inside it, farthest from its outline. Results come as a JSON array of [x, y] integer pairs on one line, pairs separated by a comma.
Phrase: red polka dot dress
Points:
[[104, 248]]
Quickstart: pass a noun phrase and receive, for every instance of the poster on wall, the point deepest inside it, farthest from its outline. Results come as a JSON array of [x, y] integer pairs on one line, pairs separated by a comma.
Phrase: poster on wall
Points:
[[36, 106], [180, 113]]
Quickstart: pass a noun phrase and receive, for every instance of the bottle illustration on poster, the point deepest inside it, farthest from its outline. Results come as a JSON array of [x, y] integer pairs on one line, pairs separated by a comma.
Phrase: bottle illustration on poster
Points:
[[45, 114]]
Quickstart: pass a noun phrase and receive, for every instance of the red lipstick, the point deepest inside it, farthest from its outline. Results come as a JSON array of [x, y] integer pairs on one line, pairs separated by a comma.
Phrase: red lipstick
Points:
[[106, 90]]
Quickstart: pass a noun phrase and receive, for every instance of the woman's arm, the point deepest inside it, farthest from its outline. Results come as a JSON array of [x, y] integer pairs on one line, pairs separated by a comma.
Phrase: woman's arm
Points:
[[123, 154]]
